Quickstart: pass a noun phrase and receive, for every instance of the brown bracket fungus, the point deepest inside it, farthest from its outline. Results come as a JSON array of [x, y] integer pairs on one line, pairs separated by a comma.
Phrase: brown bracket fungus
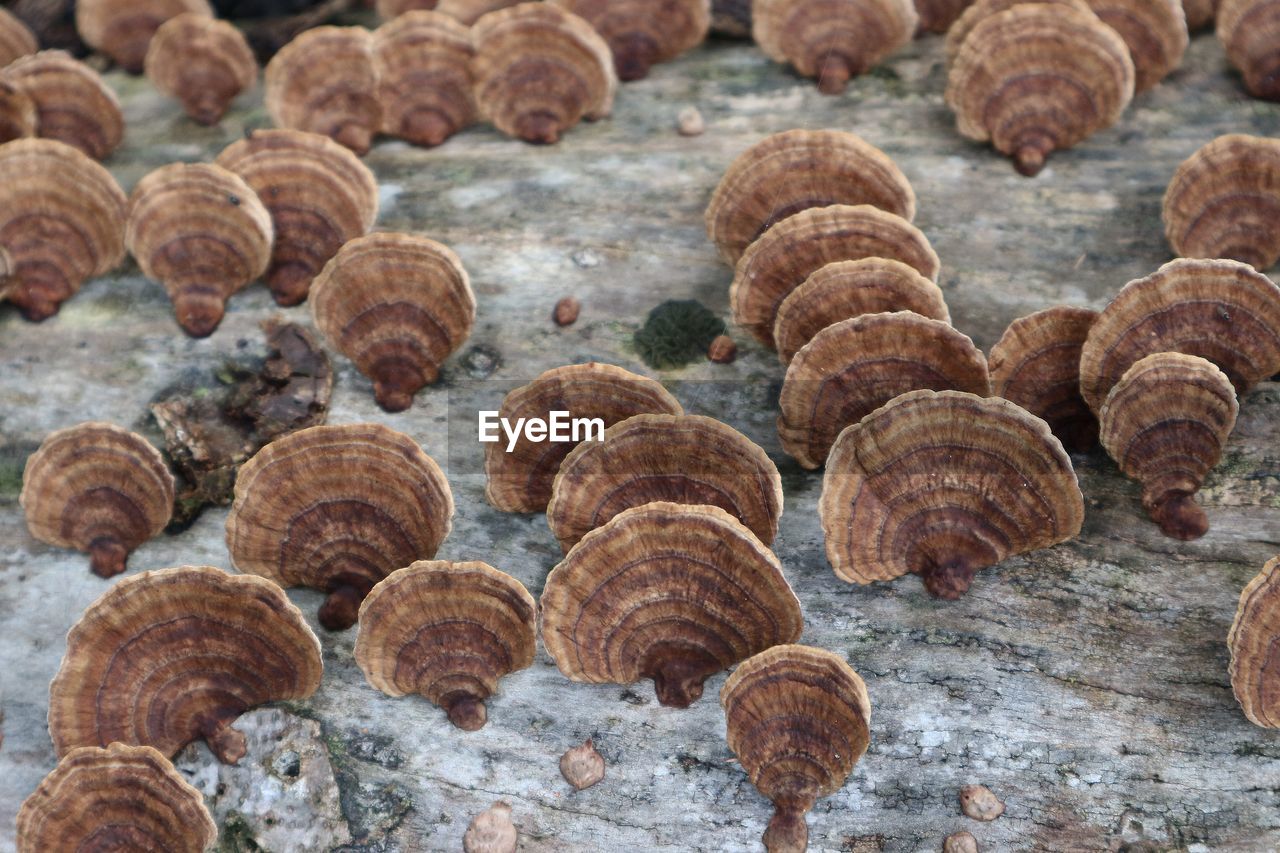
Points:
[[169, 657], [1224, 202], [979, 10], [1154, 30], [338, 508], [832, 40], [783, 257], [1165, 423], [1253, 646], [467, 12], [118, 798], [18, 117], [423, 63], [539, 69], [855, 366], [642, 33], [319, 195], [397, 305], [1250, 32], [796, 170], [203, 62], [666, 591], [1036, 364], [582, 766], [937, 16], [1200, 13], [798, 718], [686, 459], [448, 632], [123, 29], [16, 38], [521, 480], [62, 219], [73, 105], [99, 489], [943, 485]]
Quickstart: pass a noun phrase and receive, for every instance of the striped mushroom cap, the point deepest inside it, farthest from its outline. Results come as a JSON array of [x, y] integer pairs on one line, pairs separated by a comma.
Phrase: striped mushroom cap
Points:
[[1250, 32], [72, 103], [1253, 645], [325, 81]]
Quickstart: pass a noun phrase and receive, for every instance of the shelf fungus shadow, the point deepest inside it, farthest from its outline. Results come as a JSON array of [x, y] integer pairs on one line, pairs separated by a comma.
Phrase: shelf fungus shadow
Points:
[[642, 33], [937, 16], [1253, 645], [423, 63], [123, 29], [1250, 32], [203, 62], [73, 104]]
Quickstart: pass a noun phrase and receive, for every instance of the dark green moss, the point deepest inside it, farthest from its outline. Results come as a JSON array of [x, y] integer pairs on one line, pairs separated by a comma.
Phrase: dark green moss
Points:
[[676, 333]]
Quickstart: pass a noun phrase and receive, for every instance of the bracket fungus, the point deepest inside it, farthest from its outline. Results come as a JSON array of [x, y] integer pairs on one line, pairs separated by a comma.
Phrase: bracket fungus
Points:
[[521, 480], [539, 69], [1224, 202], [943, 484], [1253, 646], [18, 117], [666, 591], [854, 367], [686, 459], [423, 63], [642, 33], [325, 81], [937, 16], [62, 220], [446, 631], [123, 29], [832, 40], [1165, 423], [338, 508], [203, 62], [118, 798], [72, 103], [168, 657], [1154, 30], [203, 233], [397, 305], [796, 170], [980, 10], [784, 256], [16, 38], [99, 489], [1036, 364], [1250, 32], [798, 718]]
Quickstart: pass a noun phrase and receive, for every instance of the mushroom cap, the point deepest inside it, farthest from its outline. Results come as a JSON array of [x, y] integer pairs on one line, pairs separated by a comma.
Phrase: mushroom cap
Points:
[[1224, 311], [1224, 202], [666, 591], [832, 40], [203, 62], [319, 196], [1165, 423], [118, 798], [97, 488], [469, 11], [980, 10], [325, 81], [73, 105], [795, 170], [1250, 32], [16, 38], [641, 33], [123, 29], [844, 289], [854, 367], [167, 657], [684, 459], [1253, 646], [1038, 78], [937, 16], [397, 305], [18, 116], [521, 480], [61, 221], [782, 258], [338, 508], [798, 718], [943, 484], [539, 69], [423, 63], [1154, 30], [202, 232], [1036, 364], [1200, 13]]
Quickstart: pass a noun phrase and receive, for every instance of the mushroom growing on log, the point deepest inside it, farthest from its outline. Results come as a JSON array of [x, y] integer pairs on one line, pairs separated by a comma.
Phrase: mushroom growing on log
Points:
[[123, 29], [203, 62], [325, 81], [1154, 30], [73, 104], [642, 33], [423, 62], [1252, 642], [1250, 32]]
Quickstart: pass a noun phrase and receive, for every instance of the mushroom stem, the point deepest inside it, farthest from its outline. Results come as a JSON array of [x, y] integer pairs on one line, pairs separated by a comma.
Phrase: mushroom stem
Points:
[[199, 308], [107, 556], [540, 128], [1178, 515], [633, 55], [787, 831], [354, 136], [678, 674], [206, 108], [426, 127], [834, 74], [395, 382], [949, 579], [228, 744], [341, 609], [290, 282], [465, 711], [1031, 154], [35, 301]]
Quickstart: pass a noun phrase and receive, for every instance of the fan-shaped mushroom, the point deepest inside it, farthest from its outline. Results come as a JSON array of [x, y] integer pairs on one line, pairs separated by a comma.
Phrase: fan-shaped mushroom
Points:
[[397, 305], [666, 591], [795, 170], [1224, 202], [855, 366], [539, 69], [1038, 78], [1200, 13], [18, 117], [338, 508], [1165, 423], [423, 63], [844, 289], [16, 38], [937, 16], [832, 40], [942, 485], [1036, 364], [1250, 32], [168, 657], [519, 479], [97, 488], [324, 81], [688, 459], [123, 29], [319, 195], [1253, 646], [447, 631], [118, 798], [1154, 30], [73, 105], [203, 62], [783, 257], [61, 222], [980, 10], [1224, 311], [642, 33], [798, 719]]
